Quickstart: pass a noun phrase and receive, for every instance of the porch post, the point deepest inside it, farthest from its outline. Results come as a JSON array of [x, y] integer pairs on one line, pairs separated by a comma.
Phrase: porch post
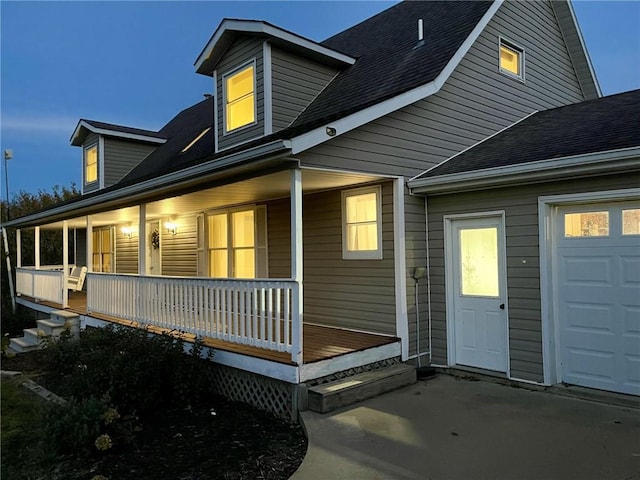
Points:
[[296, 265], [89, 245], [37, 248], [142, 239], [18, 248], [65, 263]]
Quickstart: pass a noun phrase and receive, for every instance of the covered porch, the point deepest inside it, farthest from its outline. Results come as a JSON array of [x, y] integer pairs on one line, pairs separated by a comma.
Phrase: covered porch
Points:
[[154, 267]]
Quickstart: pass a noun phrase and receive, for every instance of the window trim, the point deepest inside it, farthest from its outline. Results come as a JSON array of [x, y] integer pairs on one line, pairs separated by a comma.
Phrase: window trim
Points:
[[365, 254], [503, 42], [230, 73], [84, 163]]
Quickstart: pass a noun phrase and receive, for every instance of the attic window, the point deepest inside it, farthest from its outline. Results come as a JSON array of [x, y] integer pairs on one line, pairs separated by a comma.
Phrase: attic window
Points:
[[239, 90], [91, 164], [511, 59], [195, 140]]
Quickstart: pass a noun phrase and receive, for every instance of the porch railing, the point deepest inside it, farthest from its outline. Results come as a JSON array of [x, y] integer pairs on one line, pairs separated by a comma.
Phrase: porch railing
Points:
[[259, 313], [43, 284]]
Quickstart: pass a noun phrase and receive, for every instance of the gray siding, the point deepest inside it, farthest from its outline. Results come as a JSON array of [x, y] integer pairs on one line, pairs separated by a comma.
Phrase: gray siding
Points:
[[242, 51], [180, 251], [80, 247], [520, 205], [475, 102], [126, 257], [279, 238], [296, 81], [355, 294], [415, 251], [92, 139], [120, 157]]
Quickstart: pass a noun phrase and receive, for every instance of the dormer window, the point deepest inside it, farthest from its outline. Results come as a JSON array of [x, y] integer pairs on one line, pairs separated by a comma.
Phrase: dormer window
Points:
[[239, 95], [91, 164]]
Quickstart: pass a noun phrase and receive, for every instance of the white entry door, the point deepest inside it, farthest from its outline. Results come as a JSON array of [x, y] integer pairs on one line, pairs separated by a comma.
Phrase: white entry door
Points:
[[477, 291], [598, 295], [154, 265]]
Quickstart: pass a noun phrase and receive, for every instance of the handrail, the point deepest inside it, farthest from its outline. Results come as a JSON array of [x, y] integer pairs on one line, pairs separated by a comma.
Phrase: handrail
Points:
[[40, 284], [249, 312]]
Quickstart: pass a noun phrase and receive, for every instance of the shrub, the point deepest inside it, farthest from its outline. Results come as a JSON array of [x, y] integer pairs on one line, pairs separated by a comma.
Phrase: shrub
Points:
[[137, 371]]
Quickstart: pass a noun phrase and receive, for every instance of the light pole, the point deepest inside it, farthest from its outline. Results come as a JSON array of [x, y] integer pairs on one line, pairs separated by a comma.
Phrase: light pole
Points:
[[8, 155]]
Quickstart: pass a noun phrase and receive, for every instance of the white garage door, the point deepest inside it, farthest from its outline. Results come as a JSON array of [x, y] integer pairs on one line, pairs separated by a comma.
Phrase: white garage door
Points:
[[598, 295]]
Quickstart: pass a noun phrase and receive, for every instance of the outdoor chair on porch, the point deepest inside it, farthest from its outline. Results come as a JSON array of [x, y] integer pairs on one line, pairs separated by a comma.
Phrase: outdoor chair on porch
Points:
[[75, 280]]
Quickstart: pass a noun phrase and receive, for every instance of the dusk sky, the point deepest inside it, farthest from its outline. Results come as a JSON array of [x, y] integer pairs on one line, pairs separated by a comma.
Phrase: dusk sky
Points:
[[131, 63]]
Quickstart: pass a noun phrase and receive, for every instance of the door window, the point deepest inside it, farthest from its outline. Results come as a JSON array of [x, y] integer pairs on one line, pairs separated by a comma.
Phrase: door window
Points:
[[479, 262]]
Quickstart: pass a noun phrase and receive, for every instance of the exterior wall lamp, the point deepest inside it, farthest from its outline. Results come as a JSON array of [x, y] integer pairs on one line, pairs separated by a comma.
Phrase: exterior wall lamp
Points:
[[171, 227]]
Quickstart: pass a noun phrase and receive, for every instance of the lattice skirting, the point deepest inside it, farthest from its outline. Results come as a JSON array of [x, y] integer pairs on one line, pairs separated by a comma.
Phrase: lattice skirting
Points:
[[264, 393], [353, 371]]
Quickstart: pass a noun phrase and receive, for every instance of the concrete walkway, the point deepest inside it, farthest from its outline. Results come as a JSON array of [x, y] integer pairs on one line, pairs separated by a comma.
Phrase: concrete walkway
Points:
[[445, 428]]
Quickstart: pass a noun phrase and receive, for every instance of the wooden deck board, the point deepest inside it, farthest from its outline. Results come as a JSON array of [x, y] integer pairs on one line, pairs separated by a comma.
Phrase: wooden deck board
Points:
[[319, 342]]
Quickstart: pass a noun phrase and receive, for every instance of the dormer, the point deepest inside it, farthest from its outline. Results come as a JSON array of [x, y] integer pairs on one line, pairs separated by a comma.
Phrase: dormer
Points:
[[264, 77], [110, 151]]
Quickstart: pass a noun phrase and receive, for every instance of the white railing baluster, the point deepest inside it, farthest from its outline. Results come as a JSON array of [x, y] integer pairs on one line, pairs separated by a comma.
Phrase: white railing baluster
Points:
[[251, 312]]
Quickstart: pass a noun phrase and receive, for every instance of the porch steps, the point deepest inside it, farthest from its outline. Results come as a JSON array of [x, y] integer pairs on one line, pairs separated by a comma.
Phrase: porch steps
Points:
[[47, 330], [346, 391]]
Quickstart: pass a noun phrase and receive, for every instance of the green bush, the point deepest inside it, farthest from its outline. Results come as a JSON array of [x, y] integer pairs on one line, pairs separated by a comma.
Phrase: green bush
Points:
[[138, 372]]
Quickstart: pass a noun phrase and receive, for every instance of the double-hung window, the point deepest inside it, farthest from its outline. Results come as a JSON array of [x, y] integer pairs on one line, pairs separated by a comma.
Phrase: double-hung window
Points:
[[237, 245], [239, 98], [91, 164], [362, 223]]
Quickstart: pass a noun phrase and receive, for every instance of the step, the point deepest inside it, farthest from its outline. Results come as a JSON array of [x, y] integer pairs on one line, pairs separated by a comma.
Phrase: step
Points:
[[33, 336], [53, 329], [65, 317], [19, 345], [346, 391]]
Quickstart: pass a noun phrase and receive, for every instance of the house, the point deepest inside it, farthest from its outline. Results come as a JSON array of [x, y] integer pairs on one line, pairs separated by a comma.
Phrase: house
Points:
[[549, 210], [274, 220]]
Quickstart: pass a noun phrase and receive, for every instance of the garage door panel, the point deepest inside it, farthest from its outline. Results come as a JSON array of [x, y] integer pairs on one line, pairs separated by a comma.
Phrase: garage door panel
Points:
[[598, 301], [587, 270], [589, 316]]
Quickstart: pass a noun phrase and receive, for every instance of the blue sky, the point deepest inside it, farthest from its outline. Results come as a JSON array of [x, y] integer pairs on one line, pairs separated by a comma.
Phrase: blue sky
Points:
[[131, 63]]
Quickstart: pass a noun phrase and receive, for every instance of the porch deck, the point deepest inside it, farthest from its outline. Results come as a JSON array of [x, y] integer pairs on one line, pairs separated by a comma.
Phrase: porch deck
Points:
[[319, 342]]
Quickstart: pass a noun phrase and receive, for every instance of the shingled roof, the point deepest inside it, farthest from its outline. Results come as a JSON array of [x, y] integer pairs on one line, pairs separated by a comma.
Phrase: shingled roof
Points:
[[600, 125], [390, 61]]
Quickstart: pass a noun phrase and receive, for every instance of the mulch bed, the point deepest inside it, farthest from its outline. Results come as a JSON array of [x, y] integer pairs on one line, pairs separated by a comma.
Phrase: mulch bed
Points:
[[229, 440]]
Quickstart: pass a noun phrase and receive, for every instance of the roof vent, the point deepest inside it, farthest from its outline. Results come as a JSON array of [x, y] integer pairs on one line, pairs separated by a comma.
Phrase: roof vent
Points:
[[420, 34]]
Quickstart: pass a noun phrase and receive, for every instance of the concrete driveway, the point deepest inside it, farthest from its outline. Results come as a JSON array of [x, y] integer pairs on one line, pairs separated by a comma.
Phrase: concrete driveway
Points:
[[447, 428]]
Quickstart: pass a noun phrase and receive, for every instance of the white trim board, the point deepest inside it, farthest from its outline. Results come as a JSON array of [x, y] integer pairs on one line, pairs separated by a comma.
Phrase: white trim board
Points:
[[113, 133]]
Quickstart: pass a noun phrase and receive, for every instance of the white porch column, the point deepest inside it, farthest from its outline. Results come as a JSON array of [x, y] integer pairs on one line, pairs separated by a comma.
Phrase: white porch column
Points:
[[37, 248], [142, 240], [296, 264], [65, 263], [400, 266], [18, 248], [89, 245]]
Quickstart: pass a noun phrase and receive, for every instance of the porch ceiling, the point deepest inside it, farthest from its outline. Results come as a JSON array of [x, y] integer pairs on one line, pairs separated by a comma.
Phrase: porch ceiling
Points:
[[267, 187]]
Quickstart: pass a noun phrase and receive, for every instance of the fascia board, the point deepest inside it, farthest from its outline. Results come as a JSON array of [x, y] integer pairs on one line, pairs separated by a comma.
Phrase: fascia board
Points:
[[584, 47], [315, 137], [113, 133], [609, 161], [253, 27], [171, 180]]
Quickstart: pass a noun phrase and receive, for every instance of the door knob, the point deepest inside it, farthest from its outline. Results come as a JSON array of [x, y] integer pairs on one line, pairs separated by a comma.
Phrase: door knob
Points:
[[502, 306]]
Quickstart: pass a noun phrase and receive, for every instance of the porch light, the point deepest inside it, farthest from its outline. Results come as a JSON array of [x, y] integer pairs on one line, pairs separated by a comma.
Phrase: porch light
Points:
[[127, 232], [171, 227]]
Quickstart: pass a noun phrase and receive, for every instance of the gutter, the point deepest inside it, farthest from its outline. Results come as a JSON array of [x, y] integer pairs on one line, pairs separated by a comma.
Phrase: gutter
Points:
[[626, 159], [132, 194]]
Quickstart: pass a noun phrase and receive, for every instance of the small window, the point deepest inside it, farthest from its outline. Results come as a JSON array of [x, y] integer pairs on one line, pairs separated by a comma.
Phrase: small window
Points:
[[362, 223], [91, 164], [586, 224], [631, 221], [511, 59], [240, 109]]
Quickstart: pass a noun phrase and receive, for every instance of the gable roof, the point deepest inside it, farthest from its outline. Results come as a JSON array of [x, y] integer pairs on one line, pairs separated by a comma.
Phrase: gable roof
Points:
[[229, 29], [109, 129], [559, 137]]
